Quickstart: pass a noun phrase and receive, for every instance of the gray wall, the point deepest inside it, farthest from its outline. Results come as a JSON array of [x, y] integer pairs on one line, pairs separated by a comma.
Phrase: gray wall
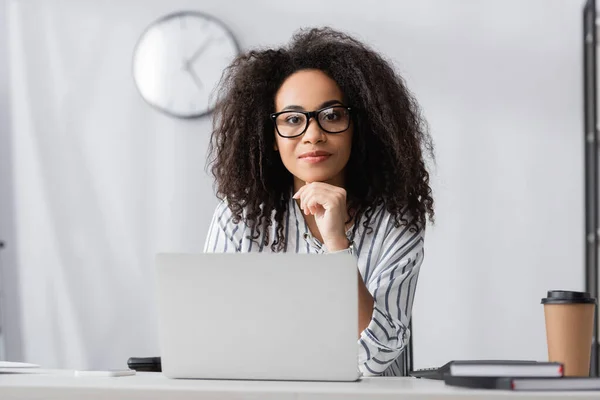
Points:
[[499, 82]]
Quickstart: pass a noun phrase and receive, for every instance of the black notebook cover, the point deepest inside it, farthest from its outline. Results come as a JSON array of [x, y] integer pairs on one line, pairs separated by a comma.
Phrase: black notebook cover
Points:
[[535, 384]]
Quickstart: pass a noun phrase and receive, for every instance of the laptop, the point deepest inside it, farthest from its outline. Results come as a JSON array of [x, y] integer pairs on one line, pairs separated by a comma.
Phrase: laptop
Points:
[[258, 316]]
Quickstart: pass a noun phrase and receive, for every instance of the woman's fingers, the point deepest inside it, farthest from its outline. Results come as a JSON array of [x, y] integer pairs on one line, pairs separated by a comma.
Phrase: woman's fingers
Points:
[[318, 195], [316, 201], [301, 190], [308, 201], [298, 194]]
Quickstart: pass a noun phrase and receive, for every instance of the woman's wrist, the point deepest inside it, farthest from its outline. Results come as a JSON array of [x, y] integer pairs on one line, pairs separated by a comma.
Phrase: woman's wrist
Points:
[[337, 243]]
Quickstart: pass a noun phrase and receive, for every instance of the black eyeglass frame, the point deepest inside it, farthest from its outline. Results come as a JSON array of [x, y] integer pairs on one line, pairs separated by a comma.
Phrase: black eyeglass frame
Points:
[[309, 115]]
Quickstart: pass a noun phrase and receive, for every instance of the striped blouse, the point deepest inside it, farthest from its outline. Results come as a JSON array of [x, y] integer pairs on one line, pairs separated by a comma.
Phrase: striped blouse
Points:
[[388, 258]]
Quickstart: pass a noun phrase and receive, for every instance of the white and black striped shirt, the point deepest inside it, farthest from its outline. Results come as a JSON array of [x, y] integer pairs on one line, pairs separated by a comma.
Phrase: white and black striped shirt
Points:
[[389, 259]]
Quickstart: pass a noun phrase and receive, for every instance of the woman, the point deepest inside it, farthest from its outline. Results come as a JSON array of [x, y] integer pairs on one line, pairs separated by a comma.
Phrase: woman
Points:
[[317, 147]]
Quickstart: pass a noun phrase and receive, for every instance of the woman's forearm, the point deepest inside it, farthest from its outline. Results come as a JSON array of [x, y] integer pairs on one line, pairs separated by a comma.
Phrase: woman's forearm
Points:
[[365, 306]]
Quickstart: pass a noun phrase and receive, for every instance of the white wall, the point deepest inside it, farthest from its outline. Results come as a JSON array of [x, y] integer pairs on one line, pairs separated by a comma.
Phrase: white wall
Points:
[[102, 181], [10, 311]]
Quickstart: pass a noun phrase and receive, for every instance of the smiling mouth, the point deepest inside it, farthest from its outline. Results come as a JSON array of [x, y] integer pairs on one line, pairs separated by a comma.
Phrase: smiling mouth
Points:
[[315, 157]]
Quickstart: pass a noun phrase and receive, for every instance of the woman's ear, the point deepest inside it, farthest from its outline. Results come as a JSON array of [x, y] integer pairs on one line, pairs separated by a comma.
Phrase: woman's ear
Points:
[[275, 146]]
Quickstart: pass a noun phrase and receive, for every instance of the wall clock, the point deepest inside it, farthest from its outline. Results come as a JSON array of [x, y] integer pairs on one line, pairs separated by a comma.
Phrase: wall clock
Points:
[[178, 62]]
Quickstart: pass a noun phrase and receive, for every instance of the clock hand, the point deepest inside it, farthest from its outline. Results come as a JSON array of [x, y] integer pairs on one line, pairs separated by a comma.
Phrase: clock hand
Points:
[[200, 50], [195, 77]]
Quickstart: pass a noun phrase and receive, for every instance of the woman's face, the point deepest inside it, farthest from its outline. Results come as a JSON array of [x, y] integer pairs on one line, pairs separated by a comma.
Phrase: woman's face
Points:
[[315, 156]]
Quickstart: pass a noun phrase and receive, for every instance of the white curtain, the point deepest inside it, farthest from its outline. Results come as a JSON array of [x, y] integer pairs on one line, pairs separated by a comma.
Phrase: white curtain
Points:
[[102, 182]]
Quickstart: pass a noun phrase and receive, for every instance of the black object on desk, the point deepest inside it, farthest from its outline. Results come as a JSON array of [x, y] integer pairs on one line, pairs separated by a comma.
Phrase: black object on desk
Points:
[[504, 383], [431, 373], [146, 364]]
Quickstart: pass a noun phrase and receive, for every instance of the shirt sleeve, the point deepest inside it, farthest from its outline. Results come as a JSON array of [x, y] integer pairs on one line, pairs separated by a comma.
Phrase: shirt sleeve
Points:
[[392, 285], [224, 236]]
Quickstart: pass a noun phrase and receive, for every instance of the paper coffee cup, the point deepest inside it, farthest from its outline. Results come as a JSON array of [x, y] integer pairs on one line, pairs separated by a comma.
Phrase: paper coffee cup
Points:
[[569, 329]]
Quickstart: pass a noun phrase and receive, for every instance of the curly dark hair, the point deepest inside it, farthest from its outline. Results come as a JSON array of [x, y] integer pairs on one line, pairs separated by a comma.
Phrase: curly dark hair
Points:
[[386, 164]]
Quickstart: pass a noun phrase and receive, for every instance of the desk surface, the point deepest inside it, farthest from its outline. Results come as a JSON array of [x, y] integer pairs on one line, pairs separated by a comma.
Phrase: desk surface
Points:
[[148, 385]]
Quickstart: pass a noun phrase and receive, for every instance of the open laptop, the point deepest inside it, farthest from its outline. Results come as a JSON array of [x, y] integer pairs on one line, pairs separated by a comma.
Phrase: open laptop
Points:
[[258, 316]]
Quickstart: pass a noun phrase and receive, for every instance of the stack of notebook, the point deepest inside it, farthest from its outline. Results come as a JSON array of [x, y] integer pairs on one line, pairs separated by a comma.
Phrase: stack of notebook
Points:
[[507, 374]]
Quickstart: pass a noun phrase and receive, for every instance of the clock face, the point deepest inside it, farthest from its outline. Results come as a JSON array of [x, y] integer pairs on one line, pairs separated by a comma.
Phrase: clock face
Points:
[[178, 63]]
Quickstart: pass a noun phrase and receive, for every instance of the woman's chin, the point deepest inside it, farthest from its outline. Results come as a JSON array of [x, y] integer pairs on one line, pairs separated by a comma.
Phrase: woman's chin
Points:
[[318, 175], [315, 177]]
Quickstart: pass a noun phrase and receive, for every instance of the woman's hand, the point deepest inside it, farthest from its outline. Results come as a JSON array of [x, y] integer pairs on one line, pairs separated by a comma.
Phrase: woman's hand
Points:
[[328, 205]]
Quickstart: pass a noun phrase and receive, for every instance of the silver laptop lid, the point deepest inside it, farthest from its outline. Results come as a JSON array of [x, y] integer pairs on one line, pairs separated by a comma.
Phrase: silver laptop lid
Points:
[[258, 316]]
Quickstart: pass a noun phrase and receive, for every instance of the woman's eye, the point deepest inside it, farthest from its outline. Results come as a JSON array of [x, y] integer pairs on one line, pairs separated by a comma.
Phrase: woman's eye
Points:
[[331, 116], [294, 119]]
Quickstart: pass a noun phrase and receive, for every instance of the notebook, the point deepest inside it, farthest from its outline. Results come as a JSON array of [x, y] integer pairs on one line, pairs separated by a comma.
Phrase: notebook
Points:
[[492, 368], [539, 384]]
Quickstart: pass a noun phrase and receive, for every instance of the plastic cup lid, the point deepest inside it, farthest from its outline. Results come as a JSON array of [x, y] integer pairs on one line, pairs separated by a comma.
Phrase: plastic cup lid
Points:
[[568, 297]]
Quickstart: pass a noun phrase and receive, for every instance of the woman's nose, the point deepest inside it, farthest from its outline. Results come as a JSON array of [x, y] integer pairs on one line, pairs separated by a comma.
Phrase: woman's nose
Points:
[[314, 133]]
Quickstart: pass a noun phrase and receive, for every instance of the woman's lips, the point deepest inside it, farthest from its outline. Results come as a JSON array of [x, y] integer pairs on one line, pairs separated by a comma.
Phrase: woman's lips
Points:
[[314, 160], [314, 157]]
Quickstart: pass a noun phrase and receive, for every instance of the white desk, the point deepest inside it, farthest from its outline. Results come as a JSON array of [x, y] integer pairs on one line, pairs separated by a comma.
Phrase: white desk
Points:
[[148, 386]]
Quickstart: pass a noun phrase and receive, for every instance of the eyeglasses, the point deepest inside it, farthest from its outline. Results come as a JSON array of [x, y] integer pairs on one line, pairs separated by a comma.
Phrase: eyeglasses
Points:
[[291, 124]]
